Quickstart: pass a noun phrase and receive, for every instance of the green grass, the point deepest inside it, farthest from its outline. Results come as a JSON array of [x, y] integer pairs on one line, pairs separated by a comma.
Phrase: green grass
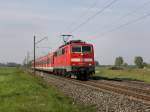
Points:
[[21, 92], [126, 74]]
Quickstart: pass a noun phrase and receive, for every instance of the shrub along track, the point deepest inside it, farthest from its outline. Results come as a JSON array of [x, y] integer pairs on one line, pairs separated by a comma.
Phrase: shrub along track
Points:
[[132, 92]]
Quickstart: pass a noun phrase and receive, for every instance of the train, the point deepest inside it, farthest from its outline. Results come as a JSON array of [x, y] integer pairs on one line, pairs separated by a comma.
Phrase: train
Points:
[[73, 59]]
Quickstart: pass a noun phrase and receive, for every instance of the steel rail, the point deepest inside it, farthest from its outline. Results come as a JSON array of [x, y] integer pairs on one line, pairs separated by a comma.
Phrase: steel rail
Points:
[[129, 92], [129, 87]]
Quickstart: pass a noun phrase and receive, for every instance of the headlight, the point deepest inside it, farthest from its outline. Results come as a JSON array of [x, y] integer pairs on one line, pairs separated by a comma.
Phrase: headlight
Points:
[[87, 59], [75, 60]]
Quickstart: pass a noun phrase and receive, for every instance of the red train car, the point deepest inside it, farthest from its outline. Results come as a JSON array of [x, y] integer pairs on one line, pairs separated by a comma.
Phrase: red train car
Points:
[[75, 58]]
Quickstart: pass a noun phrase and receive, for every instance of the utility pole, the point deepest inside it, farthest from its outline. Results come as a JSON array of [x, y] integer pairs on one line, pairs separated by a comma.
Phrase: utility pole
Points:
[[28, 59], [34, 53], [34, 42]]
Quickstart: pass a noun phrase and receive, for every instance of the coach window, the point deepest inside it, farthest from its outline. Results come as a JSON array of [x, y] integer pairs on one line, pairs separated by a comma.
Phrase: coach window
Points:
[[60, 52], [86, 49], [55, 53], [76, 49], [49, 61], [63, 51]]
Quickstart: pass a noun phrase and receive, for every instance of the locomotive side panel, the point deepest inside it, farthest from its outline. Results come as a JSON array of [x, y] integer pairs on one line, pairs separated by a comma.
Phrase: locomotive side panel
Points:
[[61, 60]]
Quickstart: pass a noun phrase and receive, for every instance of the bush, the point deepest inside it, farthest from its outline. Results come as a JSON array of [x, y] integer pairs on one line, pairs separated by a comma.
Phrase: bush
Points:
[[115, 68]]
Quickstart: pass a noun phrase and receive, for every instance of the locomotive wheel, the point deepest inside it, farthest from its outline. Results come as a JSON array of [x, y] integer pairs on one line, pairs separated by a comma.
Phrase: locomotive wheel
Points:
[[55, 72], [82, 76], [68, 74], [85, 78], [79, 76], [63, 73]]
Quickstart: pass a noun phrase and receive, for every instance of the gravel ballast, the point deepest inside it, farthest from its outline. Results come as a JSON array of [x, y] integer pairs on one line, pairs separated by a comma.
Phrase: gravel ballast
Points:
[[104, 101]]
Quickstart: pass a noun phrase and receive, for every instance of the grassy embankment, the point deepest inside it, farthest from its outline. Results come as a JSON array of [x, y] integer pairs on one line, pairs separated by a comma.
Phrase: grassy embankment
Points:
[[21, 92], [125, 74]]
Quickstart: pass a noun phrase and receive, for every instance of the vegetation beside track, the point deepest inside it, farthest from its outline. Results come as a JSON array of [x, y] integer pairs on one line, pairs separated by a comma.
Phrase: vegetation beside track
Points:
[[129, 74], [21, 92]]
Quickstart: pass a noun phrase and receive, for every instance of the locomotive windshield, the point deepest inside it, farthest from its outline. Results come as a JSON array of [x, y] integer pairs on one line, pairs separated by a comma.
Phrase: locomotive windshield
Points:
[[83, 49], [86, 49], [76, 49]]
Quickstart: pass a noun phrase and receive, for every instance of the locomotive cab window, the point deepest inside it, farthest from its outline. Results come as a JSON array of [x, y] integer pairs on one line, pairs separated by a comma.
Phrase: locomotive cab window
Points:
[[76, 49], [86, 49]]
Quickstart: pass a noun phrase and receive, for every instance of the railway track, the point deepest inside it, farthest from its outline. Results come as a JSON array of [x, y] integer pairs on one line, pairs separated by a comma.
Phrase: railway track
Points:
[[128, 87], [132, 93]]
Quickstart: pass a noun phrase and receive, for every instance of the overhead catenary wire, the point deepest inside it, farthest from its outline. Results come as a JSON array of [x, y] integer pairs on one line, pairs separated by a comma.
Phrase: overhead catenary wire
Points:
[[93, 16], [83, 14], [126, 24], [135, 10], [127, 15]]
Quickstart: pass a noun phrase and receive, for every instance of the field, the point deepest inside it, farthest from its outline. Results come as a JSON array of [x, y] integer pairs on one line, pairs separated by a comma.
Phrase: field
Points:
[[21, 92], [125, 74]]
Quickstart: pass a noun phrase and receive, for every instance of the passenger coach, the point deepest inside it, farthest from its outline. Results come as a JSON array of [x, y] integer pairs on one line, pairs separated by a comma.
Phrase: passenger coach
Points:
[[75, 58]]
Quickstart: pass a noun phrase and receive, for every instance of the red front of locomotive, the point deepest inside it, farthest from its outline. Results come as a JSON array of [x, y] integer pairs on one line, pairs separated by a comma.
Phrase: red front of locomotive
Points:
[[82, 54], [82, 59]]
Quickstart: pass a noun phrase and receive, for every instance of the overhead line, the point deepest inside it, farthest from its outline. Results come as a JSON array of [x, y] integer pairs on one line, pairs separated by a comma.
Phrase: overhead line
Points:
[[128, 23], [83, 14], [126, 15], [93, 16], [135, 10]]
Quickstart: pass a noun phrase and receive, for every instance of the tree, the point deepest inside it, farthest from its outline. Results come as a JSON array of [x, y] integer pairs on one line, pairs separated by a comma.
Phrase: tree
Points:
[[125, 64], [138, 60], [12, 64], [119, 61]]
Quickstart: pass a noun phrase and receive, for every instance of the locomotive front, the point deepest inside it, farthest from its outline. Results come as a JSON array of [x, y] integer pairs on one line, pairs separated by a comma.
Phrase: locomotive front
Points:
[[82, 60]]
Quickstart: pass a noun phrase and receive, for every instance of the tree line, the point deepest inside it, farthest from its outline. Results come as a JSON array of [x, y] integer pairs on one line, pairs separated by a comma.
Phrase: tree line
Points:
[[10, 64], [138, 61]]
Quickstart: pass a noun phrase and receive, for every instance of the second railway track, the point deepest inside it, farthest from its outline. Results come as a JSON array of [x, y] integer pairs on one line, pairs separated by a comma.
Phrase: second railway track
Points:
[[132, 93], [127, 87]]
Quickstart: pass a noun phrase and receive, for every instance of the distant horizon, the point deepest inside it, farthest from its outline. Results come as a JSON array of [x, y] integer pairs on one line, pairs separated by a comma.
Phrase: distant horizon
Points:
[[95, 60], [122, 29]]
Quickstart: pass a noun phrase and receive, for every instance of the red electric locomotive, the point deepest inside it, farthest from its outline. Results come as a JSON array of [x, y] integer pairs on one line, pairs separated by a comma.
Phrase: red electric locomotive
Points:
[[75, 58]]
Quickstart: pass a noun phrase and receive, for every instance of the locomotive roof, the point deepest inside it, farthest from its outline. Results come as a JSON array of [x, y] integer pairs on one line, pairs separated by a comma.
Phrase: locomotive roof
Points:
[[75, 41], [71, 42]]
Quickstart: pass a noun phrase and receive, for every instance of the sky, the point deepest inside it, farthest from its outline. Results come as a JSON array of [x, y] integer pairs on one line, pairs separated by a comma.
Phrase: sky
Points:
[[114, 32]]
